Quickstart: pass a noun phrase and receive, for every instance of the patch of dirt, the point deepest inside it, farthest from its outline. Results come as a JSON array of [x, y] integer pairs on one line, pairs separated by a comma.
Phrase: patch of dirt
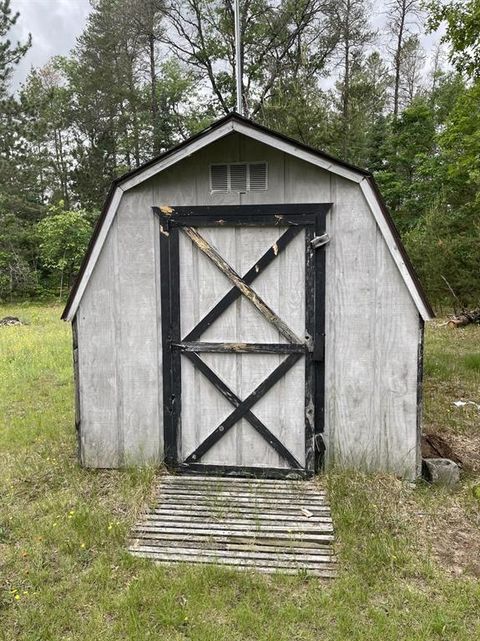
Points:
[[454, 537], [436, 446], [464, 449], [469, 446], [450, 525]]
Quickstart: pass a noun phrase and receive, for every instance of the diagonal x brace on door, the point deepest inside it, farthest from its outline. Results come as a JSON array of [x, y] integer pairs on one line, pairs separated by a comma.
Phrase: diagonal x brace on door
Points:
[[242, 409], [248, 278], [244, 288], [249, 416]]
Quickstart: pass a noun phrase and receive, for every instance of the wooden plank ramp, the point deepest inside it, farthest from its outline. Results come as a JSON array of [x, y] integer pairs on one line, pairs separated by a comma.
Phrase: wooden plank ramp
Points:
[[260, 524]]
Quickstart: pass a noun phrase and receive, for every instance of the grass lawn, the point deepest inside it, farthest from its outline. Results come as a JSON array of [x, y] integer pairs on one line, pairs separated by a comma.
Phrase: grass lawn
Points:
[[409, 556]]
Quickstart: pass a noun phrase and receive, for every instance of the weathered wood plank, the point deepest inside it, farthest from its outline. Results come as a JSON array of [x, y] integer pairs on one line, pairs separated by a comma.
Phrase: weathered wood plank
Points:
[[276, 560], [244, 502], [240, 348], [237, 479], [294, 501], [286, 487], [231, 519], [232, 486], [200, 556], [234, 483], [229, 543], [216, 492], [323, 573], [207, 540], [241, 533], [218, 512], [232, 524]]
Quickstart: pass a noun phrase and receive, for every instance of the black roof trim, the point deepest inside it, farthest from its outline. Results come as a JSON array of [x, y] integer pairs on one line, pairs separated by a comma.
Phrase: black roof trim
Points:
[[292, 141]]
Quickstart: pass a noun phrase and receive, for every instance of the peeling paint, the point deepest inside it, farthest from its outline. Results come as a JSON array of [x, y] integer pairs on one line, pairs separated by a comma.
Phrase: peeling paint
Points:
[[275, 249], [238, 347], [164, 231], [166, 209], [257, 268]]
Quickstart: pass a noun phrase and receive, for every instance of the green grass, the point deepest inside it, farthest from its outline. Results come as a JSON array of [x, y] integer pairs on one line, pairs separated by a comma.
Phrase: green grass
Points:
[[65, 575], [452, 373]]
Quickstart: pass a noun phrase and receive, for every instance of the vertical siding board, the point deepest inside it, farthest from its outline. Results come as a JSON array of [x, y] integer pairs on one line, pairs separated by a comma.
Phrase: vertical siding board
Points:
[[421, 338], [353, 312], [76, 383], [254, 368], [117, 312], [158, 307], [137, 345], [99, 437], [396, 369], [330, 326]]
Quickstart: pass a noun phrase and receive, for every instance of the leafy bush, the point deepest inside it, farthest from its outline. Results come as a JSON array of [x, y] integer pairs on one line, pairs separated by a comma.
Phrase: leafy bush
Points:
[[63, 237]]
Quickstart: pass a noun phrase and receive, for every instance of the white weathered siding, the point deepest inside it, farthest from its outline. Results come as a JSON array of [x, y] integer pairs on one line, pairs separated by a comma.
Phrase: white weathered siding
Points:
[[118, 325], [372, 325], [372, 333]]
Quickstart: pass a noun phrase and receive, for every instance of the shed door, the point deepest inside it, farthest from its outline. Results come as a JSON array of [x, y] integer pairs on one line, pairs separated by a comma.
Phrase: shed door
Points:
[[242, 321]]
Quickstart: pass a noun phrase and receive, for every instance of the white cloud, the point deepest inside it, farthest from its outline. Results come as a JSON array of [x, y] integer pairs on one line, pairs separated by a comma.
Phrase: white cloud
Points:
[[54, 25]]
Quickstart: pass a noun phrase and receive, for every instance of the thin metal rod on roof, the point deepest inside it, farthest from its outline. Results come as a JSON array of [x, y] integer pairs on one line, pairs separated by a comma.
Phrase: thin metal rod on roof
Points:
[[238, 57]]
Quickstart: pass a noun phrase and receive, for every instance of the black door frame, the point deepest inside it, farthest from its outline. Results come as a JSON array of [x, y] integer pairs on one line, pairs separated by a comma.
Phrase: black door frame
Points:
[[312, 218]]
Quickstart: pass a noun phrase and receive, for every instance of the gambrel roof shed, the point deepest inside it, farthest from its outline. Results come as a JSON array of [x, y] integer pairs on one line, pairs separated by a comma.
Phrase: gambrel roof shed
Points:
[[236, 123], [183, 303]]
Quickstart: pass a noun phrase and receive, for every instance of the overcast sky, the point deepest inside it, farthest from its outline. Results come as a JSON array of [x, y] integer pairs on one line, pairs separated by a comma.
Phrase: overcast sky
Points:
[[56, 24]]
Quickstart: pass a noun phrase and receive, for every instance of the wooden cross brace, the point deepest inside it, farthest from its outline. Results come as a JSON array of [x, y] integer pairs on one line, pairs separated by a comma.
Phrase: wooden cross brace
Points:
[[242, 409], [241, 284], [190, 346]]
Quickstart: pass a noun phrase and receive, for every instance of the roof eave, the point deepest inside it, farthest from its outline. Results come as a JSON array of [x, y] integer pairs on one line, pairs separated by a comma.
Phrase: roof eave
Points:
[[229, 123]]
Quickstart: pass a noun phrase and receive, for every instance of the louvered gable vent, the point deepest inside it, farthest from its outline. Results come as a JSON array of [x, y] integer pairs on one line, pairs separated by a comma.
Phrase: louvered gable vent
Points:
[[239, 177], [258, 176], [219, 177]]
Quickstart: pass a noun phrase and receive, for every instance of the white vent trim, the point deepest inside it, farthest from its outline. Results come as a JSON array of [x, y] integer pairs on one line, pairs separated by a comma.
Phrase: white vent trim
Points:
[[235, 182]]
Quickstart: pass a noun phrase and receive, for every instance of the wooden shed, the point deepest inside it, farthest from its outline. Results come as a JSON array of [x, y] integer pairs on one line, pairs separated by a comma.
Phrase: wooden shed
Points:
[[246, 307]]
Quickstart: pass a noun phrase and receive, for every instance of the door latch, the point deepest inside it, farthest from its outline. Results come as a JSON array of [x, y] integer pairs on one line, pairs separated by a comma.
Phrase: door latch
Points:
[[320, 241]]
